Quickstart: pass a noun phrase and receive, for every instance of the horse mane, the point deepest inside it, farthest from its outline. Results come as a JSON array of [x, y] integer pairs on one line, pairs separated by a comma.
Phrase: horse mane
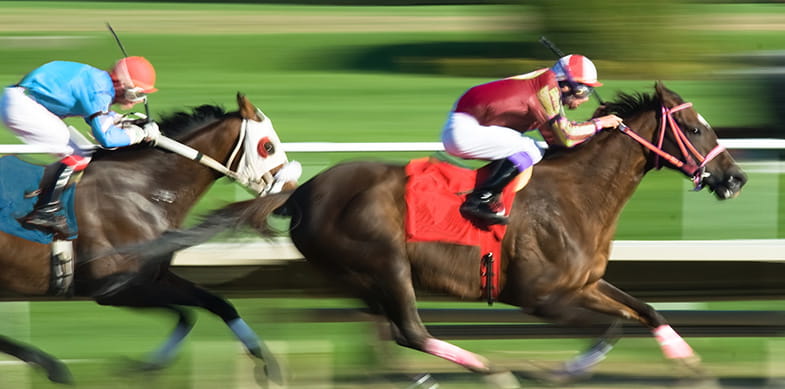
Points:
[[627, 105], [624, 105], [178, 125]]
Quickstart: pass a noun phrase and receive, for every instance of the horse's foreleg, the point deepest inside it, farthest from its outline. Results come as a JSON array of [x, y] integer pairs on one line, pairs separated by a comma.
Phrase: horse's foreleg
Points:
[[192, 295], [606, 298], [167, 351], [566, 308], [145, 294], [672, 344], [56, 371], [585, 361], [170, 291]]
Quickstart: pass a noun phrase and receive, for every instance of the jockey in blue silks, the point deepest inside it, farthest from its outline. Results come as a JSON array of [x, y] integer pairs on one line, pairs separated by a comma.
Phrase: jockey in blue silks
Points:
[[35, 107]]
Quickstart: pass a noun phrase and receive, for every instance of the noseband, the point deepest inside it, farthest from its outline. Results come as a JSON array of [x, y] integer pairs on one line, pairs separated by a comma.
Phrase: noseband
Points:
[[694, 164]]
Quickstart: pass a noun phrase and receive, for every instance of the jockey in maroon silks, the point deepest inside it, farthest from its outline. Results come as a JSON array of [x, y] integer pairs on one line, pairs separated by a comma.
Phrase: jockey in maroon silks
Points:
[[488, 122]]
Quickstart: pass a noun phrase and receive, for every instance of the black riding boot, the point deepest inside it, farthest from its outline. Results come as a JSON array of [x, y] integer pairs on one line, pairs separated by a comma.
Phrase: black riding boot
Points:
[[45, 216], [484, 203]]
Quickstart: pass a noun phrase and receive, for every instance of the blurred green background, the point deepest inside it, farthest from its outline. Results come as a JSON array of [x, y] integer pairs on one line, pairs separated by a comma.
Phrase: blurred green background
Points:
[[355, 73], [391, 73]]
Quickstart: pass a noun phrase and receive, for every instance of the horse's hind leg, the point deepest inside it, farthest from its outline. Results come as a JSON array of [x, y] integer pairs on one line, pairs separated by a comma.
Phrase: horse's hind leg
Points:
[[397, 299], [56, 371], [395, 294]]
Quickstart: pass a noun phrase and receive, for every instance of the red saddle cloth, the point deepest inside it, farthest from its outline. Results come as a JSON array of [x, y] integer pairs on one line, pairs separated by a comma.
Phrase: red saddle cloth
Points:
[[434, 192]]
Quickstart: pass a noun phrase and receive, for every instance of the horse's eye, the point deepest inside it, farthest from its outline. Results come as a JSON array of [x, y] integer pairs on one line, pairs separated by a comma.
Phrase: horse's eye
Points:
[[696, 130], [265, 147]]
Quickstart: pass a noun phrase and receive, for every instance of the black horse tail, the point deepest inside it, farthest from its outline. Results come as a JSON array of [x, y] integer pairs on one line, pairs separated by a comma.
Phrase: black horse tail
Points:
[[252, 213]]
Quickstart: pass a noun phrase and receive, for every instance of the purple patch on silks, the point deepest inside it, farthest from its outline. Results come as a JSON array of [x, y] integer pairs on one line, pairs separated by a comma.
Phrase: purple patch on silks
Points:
[[521, 160]]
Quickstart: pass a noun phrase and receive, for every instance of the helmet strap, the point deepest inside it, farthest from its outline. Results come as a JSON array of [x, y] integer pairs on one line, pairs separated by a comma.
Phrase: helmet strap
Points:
[[574, 85]]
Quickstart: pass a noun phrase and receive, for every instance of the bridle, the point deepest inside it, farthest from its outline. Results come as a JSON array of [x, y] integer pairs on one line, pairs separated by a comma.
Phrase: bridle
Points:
[[694, 163], [258, 182]]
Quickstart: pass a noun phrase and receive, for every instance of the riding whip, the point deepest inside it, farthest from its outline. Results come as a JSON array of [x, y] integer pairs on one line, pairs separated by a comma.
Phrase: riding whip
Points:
[[125, 54]]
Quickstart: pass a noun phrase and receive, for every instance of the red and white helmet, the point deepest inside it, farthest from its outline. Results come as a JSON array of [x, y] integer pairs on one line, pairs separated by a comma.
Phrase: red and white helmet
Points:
[[580, 69], [135, 72]]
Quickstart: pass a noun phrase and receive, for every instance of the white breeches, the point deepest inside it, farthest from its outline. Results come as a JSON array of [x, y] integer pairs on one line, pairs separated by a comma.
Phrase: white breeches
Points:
[[464, 137], [34, 124]]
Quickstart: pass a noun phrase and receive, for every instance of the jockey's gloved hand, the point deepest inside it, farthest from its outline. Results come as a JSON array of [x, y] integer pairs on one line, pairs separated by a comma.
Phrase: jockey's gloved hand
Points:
[[143, 132], [151, 132], [608, 121]]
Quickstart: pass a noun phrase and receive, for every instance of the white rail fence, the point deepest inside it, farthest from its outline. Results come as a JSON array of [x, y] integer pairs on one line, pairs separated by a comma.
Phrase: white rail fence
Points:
[[271, 252], [257, 253]]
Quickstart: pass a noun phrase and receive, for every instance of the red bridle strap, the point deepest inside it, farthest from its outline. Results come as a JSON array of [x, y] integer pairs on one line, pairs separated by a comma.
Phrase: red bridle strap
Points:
[[688, 151]]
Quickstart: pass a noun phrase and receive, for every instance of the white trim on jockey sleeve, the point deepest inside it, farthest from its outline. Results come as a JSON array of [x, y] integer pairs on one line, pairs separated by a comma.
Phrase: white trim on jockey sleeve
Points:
[[466, 138]]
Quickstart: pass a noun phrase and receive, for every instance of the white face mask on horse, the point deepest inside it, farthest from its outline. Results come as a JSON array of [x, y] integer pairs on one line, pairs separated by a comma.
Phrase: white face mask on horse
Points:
[[263, 152]]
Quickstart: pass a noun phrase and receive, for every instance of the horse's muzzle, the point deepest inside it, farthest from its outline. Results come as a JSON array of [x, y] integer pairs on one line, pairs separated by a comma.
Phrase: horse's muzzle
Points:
[[727, 184]]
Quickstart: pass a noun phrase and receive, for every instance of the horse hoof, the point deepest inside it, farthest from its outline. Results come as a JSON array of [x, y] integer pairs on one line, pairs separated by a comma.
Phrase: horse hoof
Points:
[[256, 352], [560, 377], [502, 380], [693, 366], [136, 366], [699, 383], [424, 381], [61, 375], [269, 370]]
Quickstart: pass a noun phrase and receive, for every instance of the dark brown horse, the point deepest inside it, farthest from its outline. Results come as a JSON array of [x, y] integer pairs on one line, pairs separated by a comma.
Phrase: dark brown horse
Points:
[[349, 222], [132, 195]]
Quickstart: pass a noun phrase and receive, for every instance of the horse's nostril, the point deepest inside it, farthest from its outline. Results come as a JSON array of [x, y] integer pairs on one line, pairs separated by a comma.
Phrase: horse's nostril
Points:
[[735, 182]]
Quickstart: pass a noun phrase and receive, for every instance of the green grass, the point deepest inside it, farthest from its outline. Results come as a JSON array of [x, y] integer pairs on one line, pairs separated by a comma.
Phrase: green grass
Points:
[[94, 341]]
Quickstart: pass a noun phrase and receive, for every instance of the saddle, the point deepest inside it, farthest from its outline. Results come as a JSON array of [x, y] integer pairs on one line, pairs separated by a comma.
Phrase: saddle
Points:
[[18, 178], [434, 192]]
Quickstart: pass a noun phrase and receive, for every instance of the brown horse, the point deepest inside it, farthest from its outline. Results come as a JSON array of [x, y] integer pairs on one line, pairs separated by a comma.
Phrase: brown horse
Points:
[[134, 194], [349, 222]]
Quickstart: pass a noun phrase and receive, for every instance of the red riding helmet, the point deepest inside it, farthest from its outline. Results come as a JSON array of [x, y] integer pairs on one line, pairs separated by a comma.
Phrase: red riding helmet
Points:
[[135, 72], [580, 68]]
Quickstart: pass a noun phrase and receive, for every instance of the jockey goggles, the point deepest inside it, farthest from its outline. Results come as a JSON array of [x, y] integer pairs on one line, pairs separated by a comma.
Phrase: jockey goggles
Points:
[[135, 95], [581, 91], [578, 90]]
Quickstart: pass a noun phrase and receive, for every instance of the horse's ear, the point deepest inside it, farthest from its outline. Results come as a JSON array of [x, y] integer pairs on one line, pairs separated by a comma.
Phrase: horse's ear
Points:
[[247, 110], [668, 97]]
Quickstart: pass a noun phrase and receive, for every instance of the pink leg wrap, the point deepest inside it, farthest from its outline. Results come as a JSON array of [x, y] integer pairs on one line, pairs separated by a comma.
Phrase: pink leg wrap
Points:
[[453, 353], [673, 346]]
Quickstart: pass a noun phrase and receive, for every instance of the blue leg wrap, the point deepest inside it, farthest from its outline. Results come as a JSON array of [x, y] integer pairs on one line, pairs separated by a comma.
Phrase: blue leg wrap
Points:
[[245, 334]]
